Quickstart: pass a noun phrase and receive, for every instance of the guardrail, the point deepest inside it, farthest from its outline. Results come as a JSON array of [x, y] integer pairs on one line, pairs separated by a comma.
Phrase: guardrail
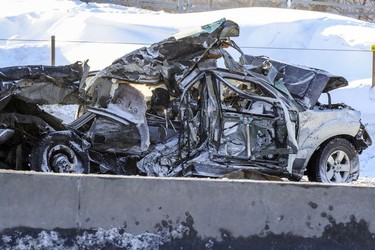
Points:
[[218, 212]]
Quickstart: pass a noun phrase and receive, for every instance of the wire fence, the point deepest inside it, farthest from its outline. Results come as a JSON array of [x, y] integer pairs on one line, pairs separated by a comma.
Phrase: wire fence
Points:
[[243, 47], [147, 44], [72, 41]]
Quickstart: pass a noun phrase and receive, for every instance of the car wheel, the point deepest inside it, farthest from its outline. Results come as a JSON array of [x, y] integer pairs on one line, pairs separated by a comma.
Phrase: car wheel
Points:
[[60, 152], [337, 161]]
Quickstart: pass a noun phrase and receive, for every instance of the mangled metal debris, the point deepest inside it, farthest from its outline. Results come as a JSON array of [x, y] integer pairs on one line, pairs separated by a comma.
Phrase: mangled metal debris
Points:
[[170, 110]]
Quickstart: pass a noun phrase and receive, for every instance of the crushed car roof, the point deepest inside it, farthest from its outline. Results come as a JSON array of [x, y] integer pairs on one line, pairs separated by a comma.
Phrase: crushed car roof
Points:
[[168, 61]]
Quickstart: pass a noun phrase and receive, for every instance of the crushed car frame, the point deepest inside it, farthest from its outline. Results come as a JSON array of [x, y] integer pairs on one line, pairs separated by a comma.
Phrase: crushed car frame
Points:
[[170, 109]]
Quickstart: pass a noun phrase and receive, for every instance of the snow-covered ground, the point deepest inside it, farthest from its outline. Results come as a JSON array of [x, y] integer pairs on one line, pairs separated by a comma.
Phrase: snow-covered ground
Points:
[[104, 32]]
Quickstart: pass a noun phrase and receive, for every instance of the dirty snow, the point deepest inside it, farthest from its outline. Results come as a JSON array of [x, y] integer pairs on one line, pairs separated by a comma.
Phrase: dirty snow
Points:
[[104, 32], [112, 238]]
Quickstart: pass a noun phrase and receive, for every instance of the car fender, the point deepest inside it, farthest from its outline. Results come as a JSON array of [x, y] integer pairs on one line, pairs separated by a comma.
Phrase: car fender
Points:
[[317, 126]]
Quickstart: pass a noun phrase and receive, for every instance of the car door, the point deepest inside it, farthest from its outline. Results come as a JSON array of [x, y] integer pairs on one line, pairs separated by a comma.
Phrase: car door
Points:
[[249, 124]]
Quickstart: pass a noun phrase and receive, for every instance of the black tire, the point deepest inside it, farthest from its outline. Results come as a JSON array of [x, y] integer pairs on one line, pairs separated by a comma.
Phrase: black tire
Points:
[[336, 161], [60, 152]]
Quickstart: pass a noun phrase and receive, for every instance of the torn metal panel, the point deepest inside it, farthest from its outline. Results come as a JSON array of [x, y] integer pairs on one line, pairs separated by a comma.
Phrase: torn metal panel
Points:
[[70, 73], [43, 84], [166, 61], [170, 60]]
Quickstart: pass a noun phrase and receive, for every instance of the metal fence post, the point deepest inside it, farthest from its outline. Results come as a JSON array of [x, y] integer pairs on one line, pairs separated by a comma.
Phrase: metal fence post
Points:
[[53, 53], [373, 64]]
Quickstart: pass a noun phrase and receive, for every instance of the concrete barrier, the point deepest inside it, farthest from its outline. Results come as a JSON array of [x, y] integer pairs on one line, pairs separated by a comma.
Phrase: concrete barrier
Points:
[[226, 212]]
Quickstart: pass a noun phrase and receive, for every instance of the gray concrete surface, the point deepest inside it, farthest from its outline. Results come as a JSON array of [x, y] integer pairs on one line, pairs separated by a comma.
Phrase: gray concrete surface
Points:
[[212, 208]]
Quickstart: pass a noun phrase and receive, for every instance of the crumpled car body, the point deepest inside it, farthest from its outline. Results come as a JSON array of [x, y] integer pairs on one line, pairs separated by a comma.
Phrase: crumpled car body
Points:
[[182, 107]]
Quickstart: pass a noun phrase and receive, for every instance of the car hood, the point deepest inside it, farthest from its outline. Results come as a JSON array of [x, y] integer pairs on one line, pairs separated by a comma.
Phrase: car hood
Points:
[[303, 83]]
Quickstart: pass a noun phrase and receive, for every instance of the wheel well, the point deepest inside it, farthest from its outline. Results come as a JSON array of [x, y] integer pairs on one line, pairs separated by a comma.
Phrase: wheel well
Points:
[[317, 150]]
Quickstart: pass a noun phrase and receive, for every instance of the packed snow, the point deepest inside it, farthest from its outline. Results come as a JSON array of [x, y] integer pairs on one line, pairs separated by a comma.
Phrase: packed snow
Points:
[[104, 32]]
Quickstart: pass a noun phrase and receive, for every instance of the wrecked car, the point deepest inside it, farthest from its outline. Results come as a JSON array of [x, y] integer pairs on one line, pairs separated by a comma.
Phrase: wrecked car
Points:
[[182, 107]]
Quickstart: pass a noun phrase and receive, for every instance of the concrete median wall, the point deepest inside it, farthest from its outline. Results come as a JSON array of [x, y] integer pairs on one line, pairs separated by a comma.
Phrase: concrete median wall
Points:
[[219, 210]]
